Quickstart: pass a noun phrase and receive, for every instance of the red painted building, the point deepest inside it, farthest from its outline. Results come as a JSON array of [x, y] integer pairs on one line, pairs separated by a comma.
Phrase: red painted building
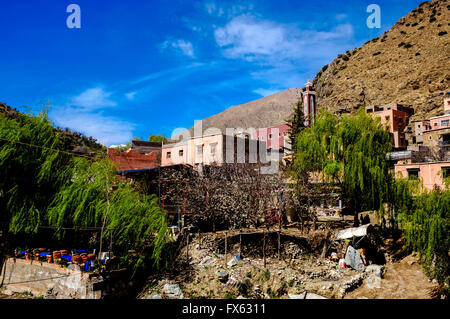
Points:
[[141, 155], [276, 137]]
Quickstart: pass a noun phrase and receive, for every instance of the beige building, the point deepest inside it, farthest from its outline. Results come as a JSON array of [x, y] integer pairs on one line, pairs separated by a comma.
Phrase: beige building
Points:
[[213, 149]]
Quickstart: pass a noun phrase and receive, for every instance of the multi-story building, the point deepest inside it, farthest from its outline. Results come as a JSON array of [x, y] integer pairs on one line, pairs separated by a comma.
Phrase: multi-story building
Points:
[[276, 137], [396, 116], [213, 149], [429, 156]]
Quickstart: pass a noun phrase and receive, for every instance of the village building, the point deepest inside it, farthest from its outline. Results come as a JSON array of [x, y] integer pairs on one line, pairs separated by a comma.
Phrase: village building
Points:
[[276, 137], [141, 155], [213, 149], [428, 157], [396, 116]]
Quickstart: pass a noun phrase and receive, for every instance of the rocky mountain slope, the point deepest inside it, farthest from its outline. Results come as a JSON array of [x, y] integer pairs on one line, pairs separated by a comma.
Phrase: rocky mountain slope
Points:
[[264, 112], [409, 64]]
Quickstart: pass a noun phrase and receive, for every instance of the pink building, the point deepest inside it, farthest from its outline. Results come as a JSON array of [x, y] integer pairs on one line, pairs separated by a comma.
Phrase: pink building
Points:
[[210, 149], [430, 173], [396, 116], [276, 137], [439, 122]]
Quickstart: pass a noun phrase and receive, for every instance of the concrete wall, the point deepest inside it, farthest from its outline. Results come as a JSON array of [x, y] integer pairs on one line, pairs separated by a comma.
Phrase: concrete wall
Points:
[[38, 278]]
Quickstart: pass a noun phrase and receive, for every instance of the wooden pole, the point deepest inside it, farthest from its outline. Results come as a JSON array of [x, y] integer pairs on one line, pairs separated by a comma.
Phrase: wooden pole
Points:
[[187, 248], [264, 249], [226, 244], [240, 244], [279, 246]]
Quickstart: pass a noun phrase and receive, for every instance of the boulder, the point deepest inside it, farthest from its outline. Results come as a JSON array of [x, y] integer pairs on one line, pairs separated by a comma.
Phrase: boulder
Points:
[[353, 259], [173, 291]]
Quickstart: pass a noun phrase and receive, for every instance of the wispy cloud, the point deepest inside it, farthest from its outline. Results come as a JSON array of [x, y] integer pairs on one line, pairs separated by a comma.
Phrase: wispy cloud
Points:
[[281, 51], [130, 95], [93, 98], [84, 113], [265, 92], [179, 45]]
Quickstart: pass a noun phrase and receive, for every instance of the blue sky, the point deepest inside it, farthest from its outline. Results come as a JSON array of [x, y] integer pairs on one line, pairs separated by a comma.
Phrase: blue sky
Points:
[[137, 68]]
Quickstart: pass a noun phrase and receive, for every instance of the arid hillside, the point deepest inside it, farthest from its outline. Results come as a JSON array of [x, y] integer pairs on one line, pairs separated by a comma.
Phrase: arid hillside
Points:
[[409, 65]]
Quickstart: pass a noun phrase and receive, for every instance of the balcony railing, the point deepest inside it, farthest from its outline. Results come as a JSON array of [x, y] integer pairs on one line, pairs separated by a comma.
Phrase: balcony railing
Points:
[[444, 143]]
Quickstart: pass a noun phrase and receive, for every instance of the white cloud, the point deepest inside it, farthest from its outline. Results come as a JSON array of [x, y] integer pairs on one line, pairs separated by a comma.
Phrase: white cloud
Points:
[[249, 38], [83, 113], [226, 10], [106, 129], [281, 51], [180, 45], [93, 98], [341, 16], [265, 92], [130, 95]]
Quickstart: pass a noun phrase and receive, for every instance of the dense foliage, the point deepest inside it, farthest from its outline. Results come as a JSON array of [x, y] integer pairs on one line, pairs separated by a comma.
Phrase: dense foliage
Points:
[[350, 151], [43, 184], [425, 218]]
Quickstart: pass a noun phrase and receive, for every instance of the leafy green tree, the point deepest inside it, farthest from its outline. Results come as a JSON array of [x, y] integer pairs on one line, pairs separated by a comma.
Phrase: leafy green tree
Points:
[[31, 169], [157, 138], [350, 151], [94, 197], [42, 183], [425, 224]]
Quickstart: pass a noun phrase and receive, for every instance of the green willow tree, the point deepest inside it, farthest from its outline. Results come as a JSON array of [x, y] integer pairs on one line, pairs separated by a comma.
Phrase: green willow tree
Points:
[[44, 184], [95, 198], [350, 151], [424, 218], [157, 138], [30, 170]]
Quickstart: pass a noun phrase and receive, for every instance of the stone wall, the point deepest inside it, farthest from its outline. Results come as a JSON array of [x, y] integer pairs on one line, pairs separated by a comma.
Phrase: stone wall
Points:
[[49, 280]]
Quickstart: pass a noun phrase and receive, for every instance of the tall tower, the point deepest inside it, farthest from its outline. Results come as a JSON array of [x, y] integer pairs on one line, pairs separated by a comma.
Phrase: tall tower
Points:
[[309, 103]]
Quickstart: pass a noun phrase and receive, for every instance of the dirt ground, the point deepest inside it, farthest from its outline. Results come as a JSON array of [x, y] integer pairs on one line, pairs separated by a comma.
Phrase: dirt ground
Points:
[[404, 279], [296, 273]]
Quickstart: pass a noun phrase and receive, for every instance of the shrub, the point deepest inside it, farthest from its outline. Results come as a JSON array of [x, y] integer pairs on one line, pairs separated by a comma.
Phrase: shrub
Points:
[[432, 19], [408, 45], [442, 33], [401, 44], [377, 53]]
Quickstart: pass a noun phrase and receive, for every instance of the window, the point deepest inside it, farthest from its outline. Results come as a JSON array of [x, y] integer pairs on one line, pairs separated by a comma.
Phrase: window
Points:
[[213, 147], [413, 173], [180, 153], [446, 172], [445, 122], [270, 136], [168, 155], [387, 118], [200, 150]]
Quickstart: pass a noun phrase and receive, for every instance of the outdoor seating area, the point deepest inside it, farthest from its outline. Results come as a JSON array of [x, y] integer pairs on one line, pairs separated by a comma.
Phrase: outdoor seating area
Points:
[[86, 259]]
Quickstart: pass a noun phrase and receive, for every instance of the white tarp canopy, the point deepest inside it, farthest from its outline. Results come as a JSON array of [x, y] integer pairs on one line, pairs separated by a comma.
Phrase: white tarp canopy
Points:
[[352, 232]]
